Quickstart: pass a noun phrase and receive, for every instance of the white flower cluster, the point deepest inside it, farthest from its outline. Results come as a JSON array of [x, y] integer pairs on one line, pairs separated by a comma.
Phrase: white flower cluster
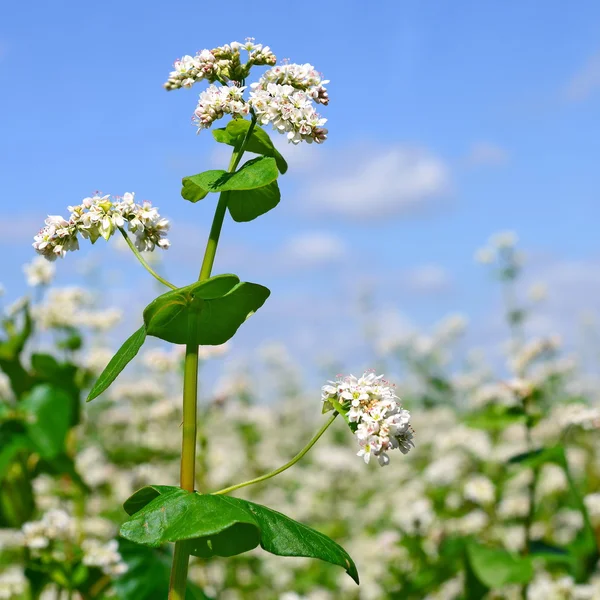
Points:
[[101, 216], [105, 556], [300, 77], [371, 404], [219, 64], [39, 272], [284, 96], [73, 307], [55, 525], [215, 102], [290, 111], [13, 583]]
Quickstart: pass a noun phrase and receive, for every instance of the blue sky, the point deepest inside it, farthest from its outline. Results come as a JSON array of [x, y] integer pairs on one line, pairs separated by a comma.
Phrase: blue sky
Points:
[[448, 122]]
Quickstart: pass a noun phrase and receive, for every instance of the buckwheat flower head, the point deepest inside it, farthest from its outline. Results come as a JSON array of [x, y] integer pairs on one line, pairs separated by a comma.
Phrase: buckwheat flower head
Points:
[[215, 102], [373, 411], [101, 216], [222, 63], [301, 77], [290, 111]]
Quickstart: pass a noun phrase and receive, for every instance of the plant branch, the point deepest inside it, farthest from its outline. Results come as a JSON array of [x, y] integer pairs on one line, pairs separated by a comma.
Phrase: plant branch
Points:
[[287, 465], [142, 260]]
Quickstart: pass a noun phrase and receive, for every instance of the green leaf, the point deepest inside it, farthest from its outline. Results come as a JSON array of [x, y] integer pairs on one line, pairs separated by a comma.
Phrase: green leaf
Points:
[[191, 190], [495, 418], [118, 362], [259, 142], [496, 567], [550, 554], [283, 536], [249, 204], [147, 575], [219, 306], [224, 526], [49, 411], [536, 458], [253, 174], [215, 526], [10, 448]]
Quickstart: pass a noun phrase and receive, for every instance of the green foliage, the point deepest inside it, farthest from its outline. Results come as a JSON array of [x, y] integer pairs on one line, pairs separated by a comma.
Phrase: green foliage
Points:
[[48, 420], [118, 362], [253, 174], [258, 143], [147, 576], [218, 306], [223, 526], [582, 553], [495, 417], [248, 205], [496, 568]]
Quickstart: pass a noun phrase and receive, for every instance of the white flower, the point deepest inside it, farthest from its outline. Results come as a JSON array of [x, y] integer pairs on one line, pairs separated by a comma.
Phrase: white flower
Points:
[[215, 102], [538, 292], [369, 402], [485, 256], [39, 272], [106, 556], [13, 583], [54, 525], [504, 240], [480, 489], [101, 216], [219, 64], [301, 77], [580, 415], [289, 110]]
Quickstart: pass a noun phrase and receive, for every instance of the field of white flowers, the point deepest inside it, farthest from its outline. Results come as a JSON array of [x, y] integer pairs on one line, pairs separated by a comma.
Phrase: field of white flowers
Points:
[[499, 499]]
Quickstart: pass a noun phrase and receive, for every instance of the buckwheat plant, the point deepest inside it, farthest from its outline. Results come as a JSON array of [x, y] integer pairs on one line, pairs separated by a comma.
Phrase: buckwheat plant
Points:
[[209, 311]]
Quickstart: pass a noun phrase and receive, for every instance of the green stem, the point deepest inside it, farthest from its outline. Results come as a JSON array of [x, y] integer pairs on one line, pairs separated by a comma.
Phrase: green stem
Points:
[[217, 224], [181, 556], [287, 465], [142, 260]]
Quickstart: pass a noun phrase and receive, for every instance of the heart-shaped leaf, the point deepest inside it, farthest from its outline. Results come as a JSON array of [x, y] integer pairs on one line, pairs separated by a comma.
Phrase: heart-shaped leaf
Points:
[[224, 526], [118, 362], [219, 306], [259, 142], [249, 204], [255, 173]]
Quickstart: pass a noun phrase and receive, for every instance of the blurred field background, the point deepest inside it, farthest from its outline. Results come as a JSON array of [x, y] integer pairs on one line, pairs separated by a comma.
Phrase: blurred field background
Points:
[[445, 234]]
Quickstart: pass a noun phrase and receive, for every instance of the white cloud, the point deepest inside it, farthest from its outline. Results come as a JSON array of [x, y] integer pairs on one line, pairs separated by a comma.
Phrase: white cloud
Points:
[[374, 184], [585, 81], [486, 154], [428, 279], [314, 248]]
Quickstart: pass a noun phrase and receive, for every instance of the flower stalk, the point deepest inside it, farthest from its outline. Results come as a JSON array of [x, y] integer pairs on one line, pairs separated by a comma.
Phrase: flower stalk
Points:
[[144, 263], [287, 465]]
